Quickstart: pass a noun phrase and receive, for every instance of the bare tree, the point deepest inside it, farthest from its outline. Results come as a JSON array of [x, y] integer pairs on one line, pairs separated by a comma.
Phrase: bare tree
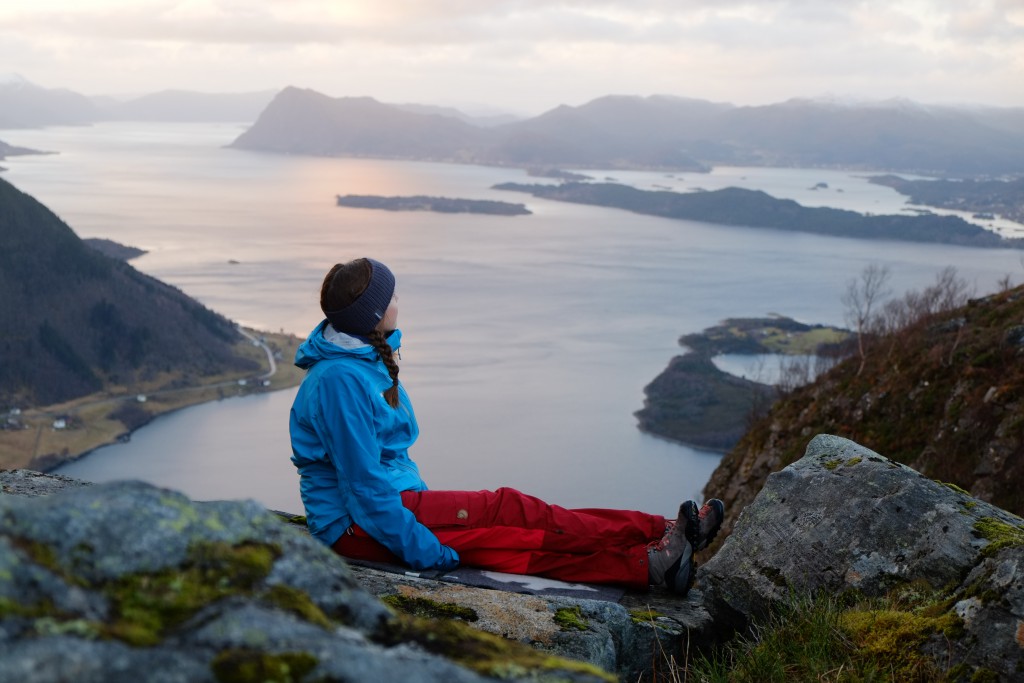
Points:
[[794, 372], [862, 297], [949, 292]]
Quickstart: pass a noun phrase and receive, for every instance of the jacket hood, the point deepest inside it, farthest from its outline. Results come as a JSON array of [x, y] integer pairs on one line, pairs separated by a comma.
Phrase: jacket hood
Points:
[[325, 343]]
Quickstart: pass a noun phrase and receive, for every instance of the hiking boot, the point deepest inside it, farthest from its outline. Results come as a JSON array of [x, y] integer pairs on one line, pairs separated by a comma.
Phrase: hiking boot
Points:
[[670, 560], [702, 525]]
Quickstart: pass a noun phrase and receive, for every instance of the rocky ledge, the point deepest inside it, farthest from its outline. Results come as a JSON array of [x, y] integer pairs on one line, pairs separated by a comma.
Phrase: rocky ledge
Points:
[[127, 581]]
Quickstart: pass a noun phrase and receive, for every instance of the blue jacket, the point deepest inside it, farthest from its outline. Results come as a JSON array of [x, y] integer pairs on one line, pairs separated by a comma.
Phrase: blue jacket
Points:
[[351, 449]]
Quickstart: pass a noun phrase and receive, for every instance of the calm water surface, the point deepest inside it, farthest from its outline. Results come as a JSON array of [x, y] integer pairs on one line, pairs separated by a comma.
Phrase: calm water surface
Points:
[[528, 340]]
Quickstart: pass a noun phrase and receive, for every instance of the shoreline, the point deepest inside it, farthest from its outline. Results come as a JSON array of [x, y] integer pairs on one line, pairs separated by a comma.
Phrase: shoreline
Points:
[[679, 442], [694, 403], [46, 437], [40, 464]]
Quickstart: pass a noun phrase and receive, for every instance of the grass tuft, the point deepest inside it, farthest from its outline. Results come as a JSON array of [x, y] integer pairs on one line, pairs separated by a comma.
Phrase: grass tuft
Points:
[[828, 639]]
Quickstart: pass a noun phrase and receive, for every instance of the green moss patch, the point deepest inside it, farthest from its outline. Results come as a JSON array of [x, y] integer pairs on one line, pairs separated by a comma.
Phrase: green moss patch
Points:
[[430, 609], [644, 616], [146, 606], [571, 619], [11, 608], [954, 487], [297, 520], [893, 638], [840, 638], [999, 535], [39, 553], [298, 603], [484, 653], [250, 666]]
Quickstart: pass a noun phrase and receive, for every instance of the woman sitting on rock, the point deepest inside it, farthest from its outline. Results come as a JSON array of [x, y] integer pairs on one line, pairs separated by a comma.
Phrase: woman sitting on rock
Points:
[[352, 425]]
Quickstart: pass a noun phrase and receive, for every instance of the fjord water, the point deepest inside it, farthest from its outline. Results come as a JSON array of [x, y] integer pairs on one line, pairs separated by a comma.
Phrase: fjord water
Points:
[[527, 340]]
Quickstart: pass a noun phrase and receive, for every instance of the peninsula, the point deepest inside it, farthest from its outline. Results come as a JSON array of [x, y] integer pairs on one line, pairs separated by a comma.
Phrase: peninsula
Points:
[[695, 403], [985, 198], [114, 250], [438, 204], [556, 173], [756, 209], [7, 150]]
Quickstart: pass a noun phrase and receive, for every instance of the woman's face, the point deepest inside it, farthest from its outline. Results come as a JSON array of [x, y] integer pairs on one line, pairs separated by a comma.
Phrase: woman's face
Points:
[[390, 320]]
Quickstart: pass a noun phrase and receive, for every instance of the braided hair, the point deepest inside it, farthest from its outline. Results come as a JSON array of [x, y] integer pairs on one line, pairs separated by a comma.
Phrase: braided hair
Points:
[[342, 285], [387, 356]]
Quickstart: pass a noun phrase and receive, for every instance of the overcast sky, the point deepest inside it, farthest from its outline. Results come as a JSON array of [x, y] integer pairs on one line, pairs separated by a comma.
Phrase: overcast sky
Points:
[[526, 56]]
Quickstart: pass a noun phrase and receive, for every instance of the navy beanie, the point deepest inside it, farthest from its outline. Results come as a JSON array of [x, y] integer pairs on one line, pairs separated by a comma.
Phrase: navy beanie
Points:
[[362, 315]]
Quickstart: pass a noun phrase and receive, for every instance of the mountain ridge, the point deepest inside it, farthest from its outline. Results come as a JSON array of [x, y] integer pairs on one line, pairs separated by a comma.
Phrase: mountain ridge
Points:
[[613, 131], [659, 132]]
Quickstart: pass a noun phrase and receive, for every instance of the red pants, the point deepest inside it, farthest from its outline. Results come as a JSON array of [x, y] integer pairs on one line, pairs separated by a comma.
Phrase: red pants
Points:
[[508, 531]]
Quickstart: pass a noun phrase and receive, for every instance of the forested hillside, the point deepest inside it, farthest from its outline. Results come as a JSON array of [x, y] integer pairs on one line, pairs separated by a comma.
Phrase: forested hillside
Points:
[[74, 321]]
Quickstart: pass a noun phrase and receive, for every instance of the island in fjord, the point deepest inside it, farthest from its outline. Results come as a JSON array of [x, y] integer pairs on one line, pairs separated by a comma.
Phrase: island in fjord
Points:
[[439, 204], [755, 209]]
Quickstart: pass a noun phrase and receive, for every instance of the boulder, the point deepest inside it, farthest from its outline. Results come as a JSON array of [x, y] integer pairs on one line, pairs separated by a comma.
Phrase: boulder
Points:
[[631, 639], [845, 520], [128, 582]]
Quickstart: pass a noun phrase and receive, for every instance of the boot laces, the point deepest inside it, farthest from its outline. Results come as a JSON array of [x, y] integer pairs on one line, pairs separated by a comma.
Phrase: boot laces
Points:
[[666, 538]]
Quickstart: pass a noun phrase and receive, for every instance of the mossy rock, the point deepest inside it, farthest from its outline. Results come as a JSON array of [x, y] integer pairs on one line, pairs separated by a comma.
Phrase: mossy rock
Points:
[[250, 666], [148, 605], [999, 534], [484, 653], [571, 619], [430, 609]]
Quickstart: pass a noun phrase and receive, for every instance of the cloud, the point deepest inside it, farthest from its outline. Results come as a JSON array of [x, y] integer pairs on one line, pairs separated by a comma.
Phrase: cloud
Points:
[[995, 21], [517, 51]]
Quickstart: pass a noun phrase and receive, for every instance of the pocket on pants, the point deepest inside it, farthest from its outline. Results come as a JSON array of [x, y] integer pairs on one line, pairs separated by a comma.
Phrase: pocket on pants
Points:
[[437, 509]]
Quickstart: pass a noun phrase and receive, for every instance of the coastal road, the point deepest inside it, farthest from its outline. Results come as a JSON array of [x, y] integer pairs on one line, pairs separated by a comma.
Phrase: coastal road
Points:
[[266, 350], [132, 397]]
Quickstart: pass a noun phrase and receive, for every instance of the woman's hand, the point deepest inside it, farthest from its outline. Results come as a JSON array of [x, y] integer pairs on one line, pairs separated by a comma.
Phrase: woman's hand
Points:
[[449, 559]]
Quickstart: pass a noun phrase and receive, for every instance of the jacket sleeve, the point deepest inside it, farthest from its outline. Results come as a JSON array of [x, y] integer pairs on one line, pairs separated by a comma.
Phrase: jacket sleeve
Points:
[[345, 426]]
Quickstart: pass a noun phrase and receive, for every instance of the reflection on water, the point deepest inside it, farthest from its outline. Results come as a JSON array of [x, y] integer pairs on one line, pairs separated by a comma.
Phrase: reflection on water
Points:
[[767, 368], [528, 340]]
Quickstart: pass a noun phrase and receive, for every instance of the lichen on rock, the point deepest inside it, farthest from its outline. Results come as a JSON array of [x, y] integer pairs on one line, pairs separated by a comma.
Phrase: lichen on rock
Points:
[[127, 581], [875, 530]]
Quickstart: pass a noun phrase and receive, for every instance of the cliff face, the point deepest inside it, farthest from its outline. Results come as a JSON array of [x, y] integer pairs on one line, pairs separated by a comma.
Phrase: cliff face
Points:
[[944, 396]]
